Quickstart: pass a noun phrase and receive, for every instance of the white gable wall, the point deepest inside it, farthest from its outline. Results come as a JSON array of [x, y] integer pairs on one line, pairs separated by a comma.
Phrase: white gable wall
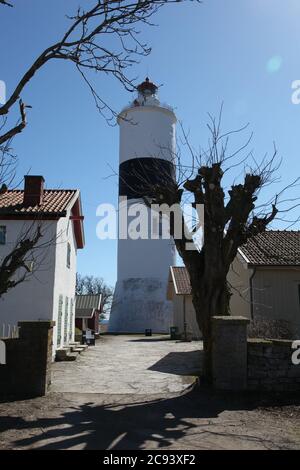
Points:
[[275, 292], [32, 299], [65, 281], [38, 297], [178, 301], [276, 295], [239, 281]]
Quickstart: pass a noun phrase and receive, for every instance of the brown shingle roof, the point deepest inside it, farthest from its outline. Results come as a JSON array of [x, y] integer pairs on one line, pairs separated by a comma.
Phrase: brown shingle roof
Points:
[[273, 248], [88, 301], [84, 312], [55, 202], [181, 280]]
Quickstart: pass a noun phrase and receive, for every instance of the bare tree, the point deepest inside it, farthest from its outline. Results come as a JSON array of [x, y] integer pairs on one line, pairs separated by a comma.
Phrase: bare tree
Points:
[[4, 2], [83, 44], [92, 285], [229, 219], [18, 264]]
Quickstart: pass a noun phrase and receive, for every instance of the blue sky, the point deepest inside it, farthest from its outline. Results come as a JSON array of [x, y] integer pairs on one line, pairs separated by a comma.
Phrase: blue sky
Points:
[[245, 53]]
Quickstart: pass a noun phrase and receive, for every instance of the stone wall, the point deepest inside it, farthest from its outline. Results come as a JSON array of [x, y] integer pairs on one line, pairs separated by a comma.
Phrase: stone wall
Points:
[[229, 352], [270, 366], [253, 364], [27, 371]]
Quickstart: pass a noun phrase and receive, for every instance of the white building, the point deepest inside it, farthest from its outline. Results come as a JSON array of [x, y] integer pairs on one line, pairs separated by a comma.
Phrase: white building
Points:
[[49, 292], [147, 148], [180, 294], [264, 280]]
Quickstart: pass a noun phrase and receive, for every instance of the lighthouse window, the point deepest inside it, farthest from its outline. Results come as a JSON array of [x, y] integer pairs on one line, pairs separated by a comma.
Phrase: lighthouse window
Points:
[[2, 234]]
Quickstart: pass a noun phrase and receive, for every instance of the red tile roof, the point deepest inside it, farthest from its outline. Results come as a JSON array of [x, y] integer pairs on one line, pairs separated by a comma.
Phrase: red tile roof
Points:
[[273, 248], [55, 203], [181, 280]]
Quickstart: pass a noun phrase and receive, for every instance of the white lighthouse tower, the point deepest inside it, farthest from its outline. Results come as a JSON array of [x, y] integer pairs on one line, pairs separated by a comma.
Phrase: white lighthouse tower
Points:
[[147, 147]]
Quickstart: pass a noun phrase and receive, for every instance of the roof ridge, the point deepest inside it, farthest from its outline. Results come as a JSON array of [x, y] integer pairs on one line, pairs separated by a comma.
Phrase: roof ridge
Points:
[[45, 190], [279, 231]]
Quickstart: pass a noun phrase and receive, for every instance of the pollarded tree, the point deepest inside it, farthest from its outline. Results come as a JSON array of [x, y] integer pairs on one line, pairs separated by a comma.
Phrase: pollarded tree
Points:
[[229, 219]]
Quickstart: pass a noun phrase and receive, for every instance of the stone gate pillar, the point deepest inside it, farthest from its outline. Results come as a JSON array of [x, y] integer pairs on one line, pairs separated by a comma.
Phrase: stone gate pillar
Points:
[[229, 352], [39, 335], [27, 368]]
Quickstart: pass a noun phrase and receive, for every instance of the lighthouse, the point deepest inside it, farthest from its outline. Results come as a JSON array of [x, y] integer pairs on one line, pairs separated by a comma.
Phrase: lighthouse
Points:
[[146, 156]]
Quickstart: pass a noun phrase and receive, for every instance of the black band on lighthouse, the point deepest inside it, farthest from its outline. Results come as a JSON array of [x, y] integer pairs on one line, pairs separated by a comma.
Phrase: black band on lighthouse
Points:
[[138, 175]]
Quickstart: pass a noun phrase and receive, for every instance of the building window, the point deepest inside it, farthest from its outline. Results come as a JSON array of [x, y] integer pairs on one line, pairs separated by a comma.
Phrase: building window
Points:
[[2, 234], [59, 319], [68, 255], [66, 320], [71, 319]]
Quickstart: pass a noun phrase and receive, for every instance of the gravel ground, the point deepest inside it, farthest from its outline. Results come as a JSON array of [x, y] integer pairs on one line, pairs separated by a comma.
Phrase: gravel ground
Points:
[[172, 414]]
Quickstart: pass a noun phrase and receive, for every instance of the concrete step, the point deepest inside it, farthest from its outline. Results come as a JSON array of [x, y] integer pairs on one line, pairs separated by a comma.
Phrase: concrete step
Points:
[[79, 348], [74, 343], [71, 357], [64, 354], [83, 346]]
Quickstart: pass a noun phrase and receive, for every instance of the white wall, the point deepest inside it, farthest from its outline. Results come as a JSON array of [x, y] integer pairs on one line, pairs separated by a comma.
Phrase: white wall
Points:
[[65, 279], [140, 294], [148, 132], [144, 258], [239, 280], [32, 299], [37, 298], [276, 295], [193, 330]]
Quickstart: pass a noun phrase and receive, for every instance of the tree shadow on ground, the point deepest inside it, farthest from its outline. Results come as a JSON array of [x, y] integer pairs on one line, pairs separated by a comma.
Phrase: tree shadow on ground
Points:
[[156, 424], [180, 363]]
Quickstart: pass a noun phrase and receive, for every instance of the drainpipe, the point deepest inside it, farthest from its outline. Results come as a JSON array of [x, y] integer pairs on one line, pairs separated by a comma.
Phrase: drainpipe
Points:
[[184, 321], [251, 292]]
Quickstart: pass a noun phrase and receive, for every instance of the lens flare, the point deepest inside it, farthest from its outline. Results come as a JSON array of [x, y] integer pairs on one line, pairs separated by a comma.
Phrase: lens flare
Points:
[[274, 64]]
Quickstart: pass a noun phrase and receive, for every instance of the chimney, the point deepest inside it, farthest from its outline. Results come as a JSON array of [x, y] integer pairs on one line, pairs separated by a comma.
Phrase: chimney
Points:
[[33, 190]]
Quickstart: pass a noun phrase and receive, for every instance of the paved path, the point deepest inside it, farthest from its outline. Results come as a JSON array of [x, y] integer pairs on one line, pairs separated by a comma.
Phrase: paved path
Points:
[[134, 393], [130, 365]]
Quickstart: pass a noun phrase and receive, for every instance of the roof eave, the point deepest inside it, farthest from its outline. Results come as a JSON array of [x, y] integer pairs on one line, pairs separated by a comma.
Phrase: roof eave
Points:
[[264, 265], [78, 224]]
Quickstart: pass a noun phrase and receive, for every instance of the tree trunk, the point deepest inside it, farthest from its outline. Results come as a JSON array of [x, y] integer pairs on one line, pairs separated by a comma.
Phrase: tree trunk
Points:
[[209, 299]]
